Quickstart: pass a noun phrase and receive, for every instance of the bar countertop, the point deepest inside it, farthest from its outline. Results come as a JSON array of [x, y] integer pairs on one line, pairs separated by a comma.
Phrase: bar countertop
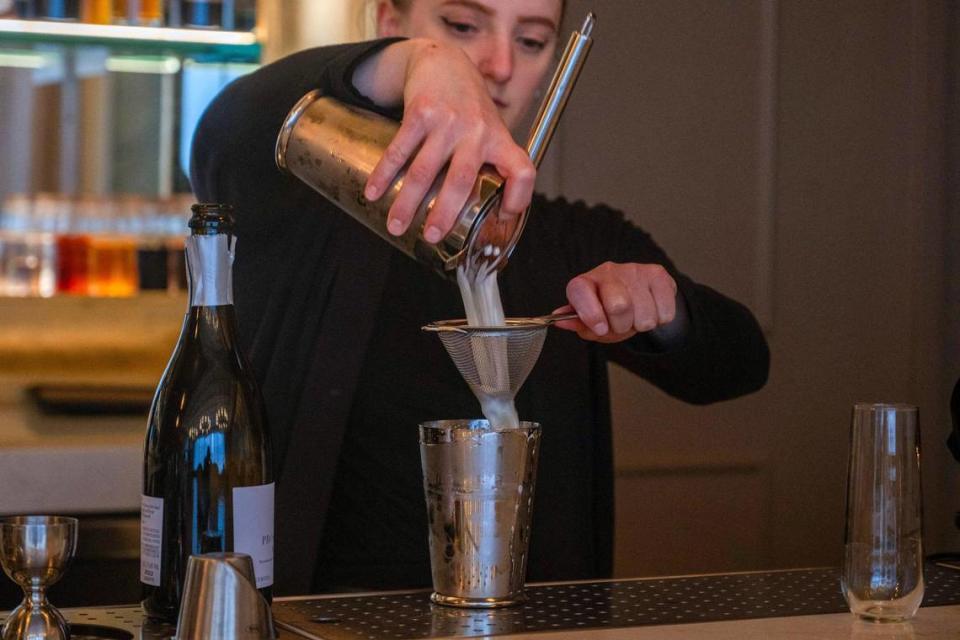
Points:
[[796, 604]]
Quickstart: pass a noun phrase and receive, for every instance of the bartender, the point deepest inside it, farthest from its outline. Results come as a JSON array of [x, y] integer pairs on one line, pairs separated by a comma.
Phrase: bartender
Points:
[[330, 315]]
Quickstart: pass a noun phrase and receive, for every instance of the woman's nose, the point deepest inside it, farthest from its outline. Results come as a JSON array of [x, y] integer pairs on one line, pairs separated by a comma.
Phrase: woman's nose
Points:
[[497, 61]]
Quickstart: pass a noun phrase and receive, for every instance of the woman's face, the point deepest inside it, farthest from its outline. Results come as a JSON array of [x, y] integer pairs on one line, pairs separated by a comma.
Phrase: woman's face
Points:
[[511, 41]]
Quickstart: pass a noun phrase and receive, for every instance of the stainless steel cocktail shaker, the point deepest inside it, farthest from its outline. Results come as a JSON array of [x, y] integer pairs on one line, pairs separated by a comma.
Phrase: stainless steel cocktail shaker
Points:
[[333, 147]]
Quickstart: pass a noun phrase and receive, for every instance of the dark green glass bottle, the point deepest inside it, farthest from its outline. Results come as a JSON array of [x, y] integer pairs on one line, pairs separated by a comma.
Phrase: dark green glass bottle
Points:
[[207, 474]]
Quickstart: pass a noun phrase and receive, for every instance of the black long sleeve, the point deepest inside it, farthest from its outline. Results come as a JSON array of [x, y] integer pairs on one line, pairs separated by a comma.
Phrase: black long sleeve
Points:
[[724, 354]]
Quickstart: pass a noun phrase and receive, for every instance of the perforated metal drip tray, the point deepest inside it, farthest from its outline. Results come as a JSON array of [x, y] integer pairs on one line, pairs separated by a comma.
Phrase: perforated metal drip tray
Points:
[[624, 603], [592, 605]]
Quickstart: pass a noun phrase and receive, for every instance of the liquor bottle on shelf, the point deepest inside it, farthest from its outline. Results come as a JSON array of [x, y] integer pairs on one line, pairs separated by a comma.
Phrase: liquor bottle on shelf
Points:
[[238, 15], [151, 13], [202, 14], [207, 475], [176, 266], [96, 11], [125, 11], [58, 9], [246, 15], [73, 249], [25, 8], [176, 256], [153, 248], [147, 13], [112, 255], [28, 255]]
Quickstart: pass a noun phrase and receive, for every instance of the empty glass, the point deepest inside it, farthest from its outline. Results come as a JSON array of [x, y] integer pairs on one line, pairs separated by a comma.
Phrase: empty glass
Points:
[[883, 563]]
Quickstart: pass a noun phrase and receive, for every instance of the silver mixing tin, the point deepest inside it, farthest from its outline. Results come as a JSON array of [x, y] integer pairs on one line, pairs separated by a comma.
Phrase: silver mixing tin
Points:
[[333, 148], [479, 485]]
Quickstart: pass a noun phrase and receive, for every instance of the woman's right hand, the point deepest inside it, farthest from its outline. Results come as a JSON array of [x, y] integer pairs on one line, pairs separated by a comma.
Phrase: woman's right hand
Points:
[[449, 116]]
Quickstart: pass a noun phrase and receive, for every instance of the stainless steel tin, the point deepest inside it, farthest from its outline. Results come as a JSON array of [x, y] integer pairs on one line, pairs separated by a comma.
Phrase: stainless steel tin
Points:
[[333, 148], [220, 600], [479, 486]]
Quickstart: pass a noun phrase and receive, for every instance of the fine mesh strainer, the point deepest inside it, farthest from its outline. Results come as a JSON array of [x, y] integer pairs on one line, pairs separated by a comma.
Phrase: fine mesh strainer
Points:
[[495, 361]]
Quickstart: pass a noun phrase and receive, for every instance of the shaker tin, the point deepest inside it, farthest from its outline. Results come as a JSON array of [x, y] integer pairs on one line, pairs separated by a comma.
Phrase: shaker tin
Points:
[[333, 148]]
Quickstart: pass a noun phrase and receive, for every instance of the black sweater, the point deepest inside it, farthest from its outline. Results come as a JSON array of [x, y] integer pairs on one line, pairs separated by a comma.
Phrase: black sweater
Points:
[[310, 286]]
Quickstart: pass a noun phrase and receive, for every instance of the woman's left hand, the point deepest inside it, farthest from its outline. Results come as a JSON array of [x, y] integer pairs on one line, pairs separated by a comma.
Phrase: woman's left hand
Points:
[[615, 302]]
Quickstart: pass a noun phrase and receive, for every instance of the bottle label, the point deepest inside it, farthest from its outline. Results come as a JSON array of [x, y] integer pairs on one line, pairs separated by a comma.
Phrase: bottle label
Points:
[[151, 539], [210, 267], [253, 529]]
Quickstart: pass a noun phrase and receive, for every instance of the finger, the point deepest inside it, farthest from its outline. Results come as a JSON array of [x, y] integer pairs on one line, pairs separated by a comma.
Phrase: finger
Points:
[[395, 156], [577, 327], [618, 305], [520, 175], [583, 296], [644, 313], [461, 176], [417, 181], [663, 289]]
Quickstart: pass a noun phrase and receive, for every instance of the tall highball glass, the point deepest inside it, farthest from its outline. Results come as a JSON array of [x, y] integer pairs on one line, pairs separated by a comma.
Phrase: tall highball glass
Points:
[[882, 576]]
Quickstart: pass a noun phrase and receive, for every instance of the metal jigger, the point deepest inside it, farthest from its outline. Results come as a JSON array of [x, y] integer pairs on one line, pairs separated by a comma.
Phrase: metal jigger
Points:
[[220, 600], [35, 552]]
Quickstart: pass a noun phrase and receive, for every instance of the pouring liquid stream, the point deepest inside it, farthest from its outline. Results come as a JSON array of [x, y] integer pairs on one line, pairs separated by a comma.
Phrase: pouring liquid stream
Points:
[[477, 277], [483, 308]]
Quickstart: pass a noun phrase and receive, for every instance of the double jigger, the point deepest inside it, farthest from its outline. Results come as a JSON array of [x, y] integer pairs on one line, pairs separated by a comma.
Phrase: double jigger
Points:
[[35, 552], [220, 597]]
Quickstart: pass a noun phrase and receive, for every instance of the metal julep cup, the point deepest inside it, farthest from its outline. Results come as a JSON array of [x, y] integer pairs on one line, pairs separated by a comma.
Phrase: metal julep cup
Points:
[[220, 600], [479, 486]]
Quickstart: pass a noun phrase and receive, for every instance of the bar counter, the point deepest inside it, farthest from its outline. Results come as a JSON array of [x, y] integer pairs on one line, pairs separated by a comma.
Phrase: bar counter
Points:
[[796, 604]]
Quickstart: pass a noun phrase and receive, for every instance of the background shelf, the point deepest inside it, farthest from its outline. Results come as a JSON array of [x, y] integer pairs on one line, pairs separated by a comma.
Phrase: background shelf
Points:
[[233, 46]]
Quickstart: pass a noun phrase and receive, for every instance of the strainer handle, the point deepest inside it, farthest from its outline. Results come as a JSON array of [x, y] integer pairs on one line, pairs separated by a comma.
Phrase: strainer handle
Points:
[[556, 317]]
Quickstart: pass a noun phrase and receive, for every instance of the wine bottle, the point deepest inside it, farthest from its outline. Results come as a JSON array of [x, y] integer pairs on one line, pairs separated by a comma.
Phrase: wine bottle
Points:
[[207, 475]]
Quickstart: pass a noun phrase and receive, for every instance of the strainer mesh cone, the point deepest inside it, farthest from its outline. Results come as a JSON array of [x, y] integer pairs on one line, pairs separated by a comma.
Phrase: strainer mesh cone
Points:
[[494, 361]]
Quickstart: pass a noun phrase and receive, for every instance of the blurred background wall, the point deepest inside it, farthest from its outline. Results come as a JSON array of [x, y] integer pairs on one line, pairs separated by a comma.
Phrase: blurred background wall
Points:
[[800, 156]]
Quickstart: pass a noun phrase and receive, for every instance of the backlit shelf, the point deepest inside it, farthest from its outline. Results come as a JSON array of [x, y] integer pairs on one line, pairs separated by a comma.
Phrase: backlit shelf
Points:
[[234, 45]]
